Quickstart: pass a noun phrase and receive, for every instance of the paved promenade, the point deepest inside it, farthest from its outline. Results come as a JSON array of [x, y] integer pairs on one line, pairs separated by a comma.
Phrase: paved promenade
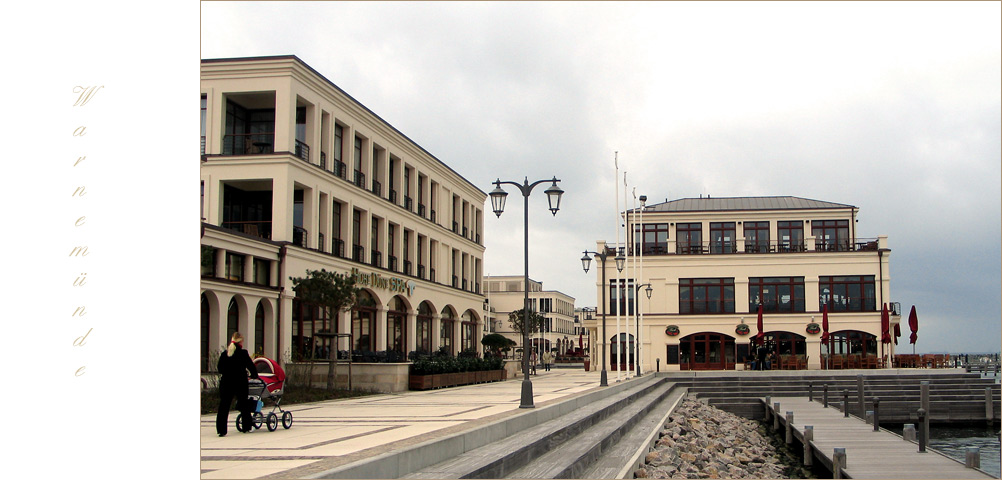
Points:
[[328, 434]]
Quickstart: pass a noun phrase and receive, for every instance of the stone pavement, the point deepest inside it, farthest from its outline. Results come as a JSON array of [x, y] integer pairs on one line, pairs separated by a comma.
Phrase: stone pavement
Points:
[[328, 434]]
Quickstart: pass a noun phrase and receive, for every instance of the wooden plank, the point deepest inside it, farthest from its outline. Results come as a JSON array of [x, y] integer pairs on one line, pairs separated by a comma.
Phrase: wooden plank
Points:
[[869, 454]]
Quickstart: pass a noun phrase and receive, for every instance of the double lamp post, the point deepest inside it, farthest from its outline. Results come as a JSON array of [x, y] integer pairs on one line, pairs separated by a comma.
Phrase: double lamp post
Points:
[[498, 196]]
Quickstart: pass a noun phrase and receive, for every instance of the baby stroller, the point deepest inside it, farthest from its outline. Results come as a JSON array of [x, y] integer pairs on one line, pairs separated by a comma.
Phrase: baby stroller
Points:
[[269, 386]]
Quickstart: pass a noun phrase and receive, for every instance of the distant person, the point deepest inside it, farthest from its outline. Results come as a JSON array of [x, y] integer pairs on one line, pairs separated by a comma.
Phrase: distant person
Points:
[[233, 365], [532, 363], [547, 360], [760, 356]]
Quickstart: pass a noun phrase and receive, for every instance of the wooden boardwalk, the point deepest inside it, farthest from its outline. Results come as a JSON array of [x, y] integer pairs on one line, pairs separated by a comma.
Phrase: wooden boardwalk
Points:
[[869, 454]]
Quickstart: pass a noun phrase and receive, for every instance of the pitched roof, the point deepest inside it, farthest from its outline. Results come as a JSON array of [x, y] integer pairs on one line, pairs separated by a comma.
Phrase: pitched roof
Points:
[[742, 203]]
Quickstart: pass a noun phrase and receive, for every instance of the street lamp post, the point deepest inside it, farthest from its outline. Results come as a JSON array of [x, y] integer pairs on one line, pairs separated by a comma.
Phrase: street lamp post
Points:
[[649, 290], [498, 196], [586, 262]]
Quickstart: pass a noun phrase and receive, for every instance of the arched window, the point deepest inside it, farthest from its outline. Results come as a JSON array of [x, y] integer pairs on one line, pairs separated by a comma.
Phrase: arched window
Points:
[[446, 334], [204, 348], [396, 321], [232, 319], [363, 322], [468, 332], [424, 317], [259, 329]]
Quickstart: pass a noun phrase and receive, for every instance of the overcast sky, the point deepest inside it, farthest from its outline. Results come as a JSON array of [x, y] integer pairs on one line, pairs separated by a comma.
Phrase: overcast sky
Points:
[[891, 107]]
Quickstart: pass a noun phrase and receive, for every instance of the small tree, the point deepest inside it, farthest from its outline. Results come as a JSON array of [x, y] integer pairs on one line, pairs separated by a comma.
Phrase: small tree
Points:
[[535, 322], [495, 343], [331, 291]]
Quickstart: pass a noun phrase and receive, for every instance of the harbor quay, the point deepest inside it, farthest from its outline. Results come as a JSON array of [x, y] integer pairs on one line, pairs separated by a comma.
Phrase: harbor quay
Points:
[[457, 432]]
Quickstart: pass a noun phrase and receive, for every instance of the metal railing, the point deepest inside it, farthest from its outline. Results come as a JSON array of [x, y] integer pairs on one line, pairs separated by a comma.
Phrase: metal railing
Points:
[[391, 262], [409, 203], [300, 236], [321, 245], [260, 229], [376, 258], [358, 253], [359, 179], [248, 143], [393, 196], [340, 169], [421, 210], [377, 188], [302, 151], [420, 271], [407, 267], [337, 248]]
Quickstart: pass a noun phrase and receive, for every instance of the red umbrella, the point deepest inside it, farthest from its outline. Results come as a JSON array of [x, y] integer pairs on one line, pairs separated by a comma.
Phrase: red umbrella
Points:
[[913, 325], [885, 325], [897, 332], [824, 325], [761, 334]]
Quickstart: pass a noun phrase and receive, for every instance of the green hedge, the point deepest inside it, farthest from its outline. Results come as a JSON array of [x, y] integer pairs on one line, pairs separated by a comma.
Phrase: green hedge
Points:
[[430, 365]]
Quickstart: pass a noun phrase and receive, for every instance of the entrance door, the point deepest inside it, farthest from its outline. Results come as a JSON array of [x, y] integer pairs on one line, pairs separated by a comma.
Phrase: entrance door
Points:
[[706, 351], [624, 361]]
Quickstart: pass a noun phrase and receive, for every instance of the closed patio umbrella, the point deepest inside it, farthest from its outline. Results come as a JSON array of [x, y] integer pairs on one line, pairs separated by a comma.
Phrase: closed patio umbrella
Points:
[[824, 333], [760, 335], [913, 325], [885, 329], [897, 332]]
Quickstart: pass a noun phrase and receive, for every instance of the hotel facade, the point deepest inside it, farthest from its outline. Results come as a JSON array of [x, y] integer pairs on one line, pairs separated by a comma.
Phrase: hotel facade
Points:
[[297, 175], [711, 263]]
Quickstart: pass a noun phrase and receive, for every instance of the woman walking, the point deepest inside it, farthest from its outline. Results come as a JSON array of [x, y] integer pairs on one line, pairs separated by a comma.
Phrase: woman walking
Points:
[[233, 365]]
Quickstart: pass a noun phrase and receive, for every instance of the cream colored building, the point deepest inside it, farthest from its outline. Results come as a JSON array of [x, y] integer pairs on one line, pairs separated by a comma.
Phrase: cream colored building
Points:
[[506, 294], [297, 175], [711, 262]]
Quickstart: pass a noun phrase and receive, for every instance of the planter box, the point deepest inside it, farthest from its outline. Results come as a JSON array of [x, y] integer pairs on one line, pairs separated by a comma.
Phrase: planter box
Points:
[[441, 380]]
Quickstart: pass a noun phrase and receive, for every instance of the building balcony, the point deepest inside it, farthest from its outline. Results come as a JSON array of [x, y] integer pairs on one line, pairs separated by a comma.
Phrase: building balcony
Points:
[[359, 179], [260, 229], [302, 151], [358, 253], [391, 262], [337, 248], [407, 267], [409, 203], [376, 258], [393, 196], [773, 247], [420, 271], [300, 236], [421, 210], [377, 188], [432, 275], [323, 160], [340, 169], [248, 143]]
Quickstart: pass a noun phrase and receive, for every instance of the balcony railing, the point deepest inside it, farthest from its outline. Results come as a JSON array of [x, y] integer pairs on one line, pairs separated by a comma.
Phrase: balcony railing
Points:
[[358, 253], [257, 229], [337, 248], [455, 281], [340, 169], [464, 284], [393, 196], [407, 267], [359, 179], [391, 262], [455, 227], [432, 275], [376, 258], [753, 247], [321, 245], [203, 144], [421, 210], [409, 203], [420, 271], [299, 236], [248, 143], [302, 151], [433, 215], [466, 232], [323, 160], [377, 188], [478, 238]]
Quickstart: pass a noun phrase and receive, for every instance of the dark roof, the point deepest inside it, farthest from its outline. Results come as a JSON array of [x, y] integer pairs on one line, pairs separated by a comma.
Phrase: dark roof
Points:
[[311, 69], [723, 204]]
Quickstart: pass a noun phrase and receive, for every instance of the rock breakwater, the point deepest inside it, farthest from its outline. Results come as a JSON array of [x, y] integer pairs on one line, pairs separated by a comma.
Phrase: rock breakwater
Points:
[[701, 441]]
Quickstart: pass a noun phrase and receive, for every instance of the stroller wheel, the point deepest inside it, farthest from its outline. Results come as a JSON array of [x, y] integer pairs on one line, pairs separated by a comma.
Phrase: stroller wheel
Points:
[[272, 422], [240, 423], [258, 419], [286, 419]]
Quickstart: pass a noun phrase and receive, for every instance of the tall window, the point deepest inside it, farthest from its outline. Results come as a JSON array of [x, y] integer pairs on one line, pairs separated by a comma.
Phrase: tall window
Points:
[[339, 151], [232, 320], [468, 333], [722, 235], [396, 317], [204, 102], [446, 333], [756, 237], [206, 360], [259, 329], [705, 295], [855, 293], [654, 237], [336, 229], [356, 236], [791, 236], [363, 322], [776, 294], [832, 235], [424, 318], [374, 243], [391, 244], [262, 271], [234, 267], [621, 297], [358, 155], [689, 237]]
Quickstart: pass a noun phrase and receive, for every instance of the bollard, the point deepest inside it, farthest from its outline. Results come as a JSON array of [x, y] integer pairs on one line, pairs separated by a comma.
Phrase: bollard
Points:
[[826, 396], [789, 428], [810, 391], [775, 417], [923, 432], [845, 402], [876, 414], [861, 399], [973, 459], [808, 438], [838, 462], [768, 401], [908, 432], [989, 408], [924, 405]]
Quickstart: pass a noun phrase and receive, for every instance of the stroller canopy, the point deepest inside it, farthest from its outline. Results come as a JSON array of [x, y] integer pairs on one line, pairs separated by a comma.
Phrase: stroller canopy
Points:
[[268, 366]]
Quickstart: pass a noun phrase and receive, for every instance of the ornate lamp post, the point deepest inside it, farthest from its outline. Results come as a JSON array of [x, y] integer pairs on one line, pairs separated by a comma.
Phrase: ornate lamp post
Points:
[[586, 262], [498, 197], [649, 290]]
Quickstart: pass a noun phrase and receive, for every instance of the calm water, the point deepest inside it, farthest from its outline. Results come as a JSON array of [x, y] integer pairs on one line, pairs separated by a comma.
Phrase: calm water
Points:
[[954, 442]]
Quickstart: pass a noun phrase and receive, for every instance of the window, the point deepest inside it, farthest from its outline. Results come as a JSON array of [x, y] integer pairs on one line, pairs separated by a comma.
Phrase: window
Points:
[[358, 250], [396, 317], [234, 267], [232, 319], [338, 149], [363, 322], [424, 318], [204, 102], [791, 236], [262, 271], [832, 235], [338, 247], [621, 297], [446, 333], [705, 295], [776, 294], [756, 237], [689, 238], [374, 243], [848, 293], [259, 329], [722, 235], [654, 237]]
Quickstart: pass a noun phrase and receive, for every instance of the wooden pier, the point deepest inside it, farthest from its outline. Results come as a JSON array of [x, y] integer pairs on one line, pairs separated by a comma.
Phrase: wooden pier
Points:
[[868, 454]]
